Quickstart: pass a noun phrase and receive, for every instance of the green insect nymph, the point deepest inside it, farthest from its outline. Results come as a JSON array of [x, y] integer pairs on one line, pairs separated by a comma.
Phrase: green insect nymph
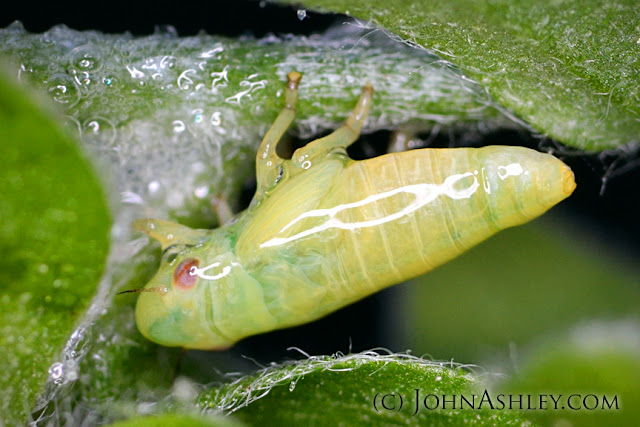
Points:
[[324, 230]]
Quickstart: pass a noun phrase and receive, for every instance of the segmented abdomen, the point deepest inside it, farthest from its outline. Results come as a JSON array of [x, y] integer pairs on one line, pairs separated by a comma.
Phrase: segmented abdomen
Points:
[[394, 217], [397, 216], [418, 221]]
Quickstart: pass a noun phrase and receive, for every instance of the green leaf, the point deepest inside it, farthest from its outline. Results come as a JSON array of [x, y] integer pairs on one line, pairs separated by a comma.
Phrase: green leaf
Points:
[[595, 367], [53, 244], [568, 68], [350, 388], [178, 420]]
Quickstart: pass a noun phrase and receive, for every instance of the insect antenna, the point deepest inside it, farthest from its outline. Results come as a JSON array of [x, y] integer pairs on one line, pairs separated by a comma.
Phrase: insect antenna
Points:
[[157, 289]]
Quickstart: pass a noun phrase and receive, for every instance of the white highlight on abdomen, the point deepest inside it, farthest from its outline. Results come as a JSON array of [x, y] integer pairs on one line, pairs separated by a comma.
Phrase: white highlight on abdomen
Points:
[[424, 194]]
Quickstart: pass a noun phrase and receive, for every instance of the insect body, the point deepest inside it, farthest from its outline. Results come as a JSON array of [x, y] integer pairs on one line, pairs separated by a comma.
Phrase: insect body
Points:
[[324, 230]]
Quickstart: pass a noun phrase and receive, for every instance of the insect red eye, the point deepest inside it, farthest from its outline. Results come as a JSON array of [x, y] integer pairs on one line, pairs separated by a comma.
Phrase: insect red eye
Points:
[[184, 276]]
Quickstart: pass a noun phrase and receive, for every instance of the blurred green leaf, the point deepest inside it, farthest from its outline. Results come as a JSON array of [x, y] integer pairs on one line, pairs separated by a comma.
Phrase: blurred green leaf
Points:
[[53, 243], [178, 420], [508, 290], [568, 68], [349, 389], [595, 367]]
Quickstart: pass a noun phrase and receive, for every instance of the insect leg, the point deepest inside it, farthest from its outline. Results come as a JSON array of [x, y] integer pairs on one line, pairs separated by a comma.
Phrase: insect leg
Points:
[[222, 210], [267, 161], [341, 137], [402, 140]]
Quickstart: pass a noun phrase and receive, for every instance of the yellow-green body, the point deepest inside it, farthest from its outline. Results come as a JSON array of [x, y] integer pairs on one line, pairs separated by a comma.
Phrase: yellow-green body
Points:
[[324, 231]]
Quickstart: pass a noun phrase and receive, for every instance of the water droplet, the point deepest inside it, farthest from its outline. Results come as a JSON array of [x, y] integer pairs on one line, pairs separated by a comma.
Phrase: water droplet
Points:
[[93, 126], [302, 14], [85, 58], [306, 164], [63, 89], [56, 371], [83, 79], [292, 385], [184, 81], [153, 186], [168, 62], [438, 378], [110, 81], [178, 126], [216, 120], [198, 115], [201, 192], [99, 131]]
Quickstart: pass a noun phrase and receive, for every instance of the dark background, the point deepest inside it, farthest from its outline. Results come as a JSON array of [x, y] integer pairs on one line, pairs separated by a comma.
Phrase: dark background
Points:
[[231, 17]]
